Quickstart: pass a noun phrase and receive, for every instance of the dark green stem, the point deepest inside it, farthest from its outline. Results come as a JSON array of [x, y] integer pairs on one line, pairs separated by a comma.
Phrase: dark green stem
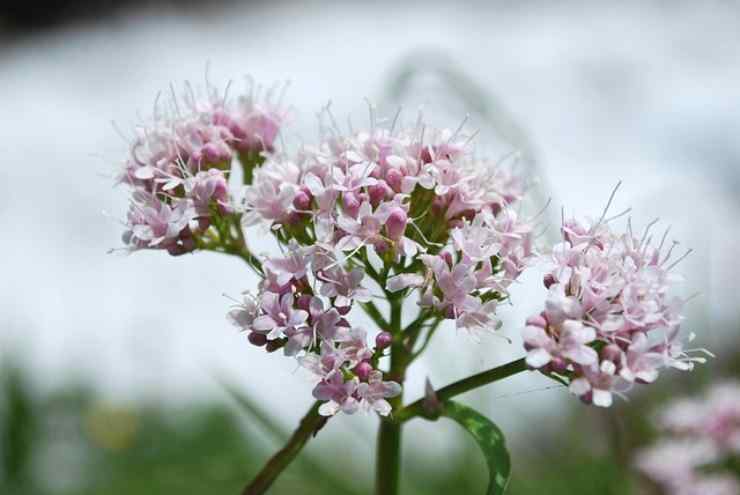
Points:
[[308, 427], [388, 463], [388, 454], [462, 386]]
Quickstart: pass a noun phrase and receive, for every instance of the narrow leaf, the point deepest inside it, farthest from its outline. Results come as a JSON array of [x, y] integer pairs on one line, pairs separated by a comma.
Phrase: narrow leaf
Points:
[[491, 441]]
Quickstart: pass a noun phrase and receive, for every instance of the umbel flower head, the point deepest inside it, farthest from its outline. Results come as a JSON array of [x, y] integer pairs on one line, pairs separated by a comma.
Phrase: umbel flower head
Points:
[[179, 164], [372, 213], [609, 319]]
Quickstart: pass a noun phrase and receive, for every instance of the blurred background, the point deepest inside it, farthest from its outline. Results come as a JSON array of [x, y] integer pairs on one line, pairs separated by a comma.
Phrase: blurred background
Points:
[[120, 374]]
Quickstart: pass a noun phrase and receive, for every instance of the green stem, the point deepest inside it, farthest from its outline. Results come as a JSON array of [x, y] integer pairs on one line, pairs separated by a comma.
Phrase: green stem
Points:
[[307, 428], [373, 312], [462, 386], [388, 462], [388, 458]]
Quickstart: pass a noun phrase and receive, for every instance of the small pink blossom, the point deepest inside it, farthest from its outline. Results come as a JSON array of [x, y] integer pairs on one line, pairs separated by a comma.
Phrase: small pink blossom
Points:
[[372, 394]]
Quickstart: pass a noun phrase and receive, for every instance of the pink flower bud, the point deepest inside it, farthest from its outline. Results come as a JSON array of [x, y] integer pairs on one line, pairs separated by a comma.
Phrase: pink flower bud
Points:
[[380, 246], [216, 152], [447, 256], [396, 224], [611, 353], [303, 302], [363, 370], [439, 205], [294, 218], [383, 340], [257, 339], [394, 179], [558, 365], [378, 192], [302, 201]]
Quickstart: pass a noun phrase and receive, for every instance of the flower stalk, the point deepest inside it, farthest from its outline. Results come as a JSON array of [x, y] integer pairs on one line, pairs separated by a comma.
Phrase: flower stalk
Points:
[[308, 427]]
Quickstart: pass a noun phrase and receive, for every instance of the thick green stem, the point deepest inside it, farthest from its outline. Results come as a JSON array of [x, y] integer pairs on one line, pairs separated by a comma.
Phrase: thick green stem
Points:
[[388, 460], [308, 426], [462, 386]]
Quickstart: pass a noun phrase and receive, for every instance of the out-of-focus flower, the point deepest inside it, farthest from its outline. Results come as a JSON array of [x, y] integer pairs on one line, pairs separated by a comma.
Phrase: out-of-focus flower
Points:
[[700, 445]]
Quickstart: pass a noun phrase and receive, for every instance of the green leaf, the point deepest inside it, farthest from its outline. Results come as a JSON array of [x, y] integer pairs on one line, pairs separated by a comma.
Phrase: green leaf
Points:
[[491, 441]]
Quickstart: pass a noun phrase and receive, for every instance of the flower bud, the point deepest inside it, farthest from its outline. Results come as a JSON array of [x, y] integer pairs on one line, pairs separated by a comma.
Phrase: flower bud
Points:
[[611, 353], [447, 256], [363, 370], [558, 364], [303, 302], [383, 340], [302, 201], [257, 339], [378, 192], [396, 224], [216, 152], [549, 280], [394, 179], [294, 218], [343, 323]]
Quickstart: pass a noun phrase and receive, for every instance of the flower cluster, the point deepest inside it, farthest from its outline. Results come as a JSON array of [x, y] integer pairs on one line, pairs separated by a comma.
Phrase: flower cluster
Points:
[[609, 319], [311, 326], [700, 451], [180, 163], [384, 213], [383, 209]]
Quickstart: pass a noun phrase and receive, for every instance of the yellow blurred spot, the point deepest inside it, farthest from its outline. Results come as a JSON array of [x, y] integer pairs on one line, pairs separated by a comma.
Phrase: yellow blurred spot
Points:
[[110, 427]]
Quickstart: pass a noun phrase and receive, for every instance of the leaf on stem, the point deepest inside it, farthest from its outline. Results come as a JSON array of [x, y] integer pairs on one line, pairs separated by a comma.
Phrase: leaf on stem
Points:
[[490, 440]]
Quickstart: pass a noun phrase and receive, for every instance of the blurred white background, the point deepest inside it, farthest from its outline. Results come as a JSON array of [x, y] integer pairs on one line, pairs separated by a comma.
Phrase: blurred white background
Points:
[[645, 92]]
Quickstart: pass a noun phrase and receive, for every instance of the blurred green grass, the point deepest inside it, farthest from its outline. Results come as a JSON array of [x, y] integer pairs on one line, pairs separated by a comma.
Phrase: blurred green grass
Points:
[[70, 442]]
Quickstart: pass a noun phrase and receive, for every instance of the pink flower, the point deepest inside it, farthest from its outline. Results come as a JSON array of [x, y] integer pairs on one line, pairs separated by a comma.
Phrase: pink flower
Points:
[[278, 316], [338, 394], [326, 322], [206, 187], [344, 285], [570, 345], [292, 266], [270, 196], [156, 224], [243, 315], [355, 348], [372, 394]]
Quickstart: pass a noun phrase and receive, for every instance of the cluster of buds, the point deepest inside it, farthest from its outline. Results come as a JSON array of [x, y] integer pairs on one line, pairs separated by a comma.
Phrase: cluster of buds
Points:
[[699, 453], [179, 166], [609, 319]]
